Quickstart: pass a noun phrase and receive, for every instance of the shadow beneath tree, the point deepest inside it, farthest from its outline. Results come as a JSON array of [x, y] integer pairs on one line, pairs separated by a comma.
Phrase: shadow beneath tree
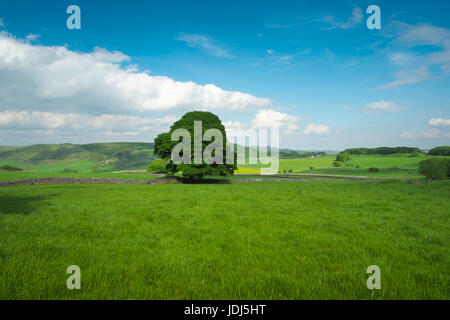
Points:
[[203, 181], [25, 205]]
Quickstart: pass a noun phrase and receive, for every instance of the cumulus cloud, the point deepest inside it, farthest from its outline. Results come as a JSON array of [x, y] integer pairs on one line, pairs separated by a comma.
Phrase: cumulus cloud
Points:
[[204, 43], [439, 122], [230, 125], [54, 78], [37, 126], [14, 119], [271, 119], [316, 129], [264, 119], [382, 107], [235, 128], [77, 125]]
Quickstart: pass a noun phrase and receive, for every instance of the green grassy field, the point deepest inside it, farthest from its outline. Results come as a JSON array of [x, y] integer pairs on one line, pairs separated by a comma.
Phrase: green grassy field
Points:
[[267, 240], [299, 165], [80, 157], [51, 159], [8, 176], [389, 165]]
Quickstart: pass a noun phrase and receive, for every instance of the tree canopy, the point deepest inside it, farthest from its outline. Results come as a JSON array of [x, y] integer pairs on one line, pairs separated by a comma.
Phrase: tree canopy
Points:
[[381, 150], [164, 146], [440, 151]]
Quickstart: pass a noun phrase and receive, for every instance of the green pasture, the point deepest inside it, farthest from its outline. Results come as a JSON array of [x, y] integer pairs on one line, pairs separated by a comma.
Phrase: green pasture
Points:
[[389, 165], [263, 240], [8, 176]]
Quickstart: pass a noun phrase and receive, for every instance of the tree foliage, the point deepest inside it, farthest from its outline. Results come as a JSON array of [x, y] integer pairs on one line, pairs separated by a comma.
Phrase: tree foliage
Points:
[[435, 169], [337, 164], [343, 156], [10, 168], [158, 166], [164, 146], [381, 150], [440, 151]]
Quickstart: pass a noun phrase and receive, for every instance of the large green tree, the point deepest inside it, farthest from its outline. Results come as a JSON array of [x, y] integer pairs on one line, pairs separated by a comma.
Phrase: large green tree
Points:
[[164, 146]]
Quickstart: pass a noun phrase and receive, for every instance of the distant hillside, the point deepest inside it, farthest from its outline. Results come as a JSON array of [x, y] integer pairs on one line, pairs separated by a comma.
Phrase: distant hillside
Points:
[[82, 158], [95, 156], [440, 151]]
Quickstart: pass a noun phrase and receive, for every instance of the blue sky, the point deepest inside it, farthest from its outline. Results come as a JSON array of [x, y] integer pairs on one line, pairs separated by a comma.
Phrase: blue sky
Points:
[[311, 69]]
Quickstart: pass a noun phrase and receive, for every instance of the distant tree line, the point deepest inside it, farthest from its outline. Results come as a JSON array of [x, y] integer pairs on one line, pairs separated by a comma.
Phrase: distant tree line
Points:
[[10, 168], [292, 154], [440, 151], [382, 150], [435, 168]]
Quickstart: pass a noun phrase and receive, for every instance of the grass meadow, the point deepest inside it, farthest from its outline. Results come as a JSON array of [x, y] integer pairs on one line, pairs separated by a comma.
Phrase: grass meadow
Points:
[[262, 240], [8, 176], [389, 165]]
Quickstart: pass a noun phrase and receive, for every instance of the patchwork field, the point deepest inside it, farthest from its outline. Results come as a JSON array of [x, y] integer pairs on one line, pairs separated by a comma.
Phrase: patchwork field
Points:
[[103, 157], [265, 240], [388, 165]]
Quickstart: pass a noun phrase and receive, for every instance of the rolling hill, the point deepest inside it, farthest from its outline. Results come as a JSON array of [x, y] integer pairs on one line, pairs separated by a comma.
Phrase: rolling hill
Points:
[[79, 157]]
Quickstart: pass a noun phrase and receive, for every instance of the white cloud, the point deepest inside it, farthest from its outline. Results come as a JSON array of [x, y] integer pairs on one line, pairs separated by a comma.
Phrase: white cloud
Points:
[[264, 119], [439, 122], [133, 68], [271, 119], [432, 133], [402, 58], [105, 56], [407, 135], [235, 128], [423, 34], [407, 76], [269, 51], [33, 37], [355, 19], [316, 129], [58, 79], [204, 43], [416, 68], [30, 125], [14, 119], [382, 107], [233, 125]]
